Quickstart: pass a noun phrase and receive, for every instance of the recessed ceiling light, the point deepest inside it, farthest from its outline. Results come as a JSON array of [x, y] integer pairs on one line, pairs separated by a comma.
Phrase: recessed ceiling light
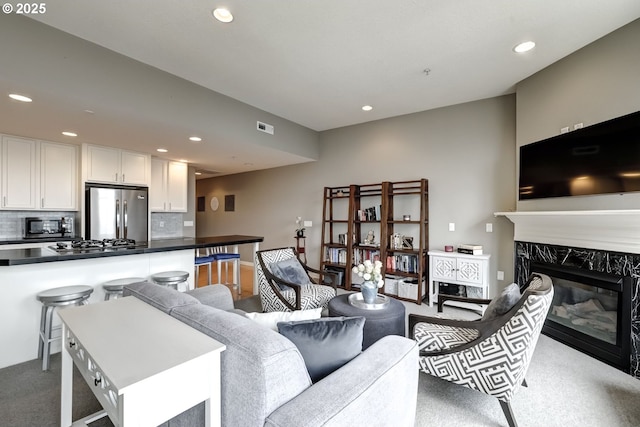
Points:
[[524, 47], [20, 98], [198, 173], [89, 111], [162, 150], [67, 133], [223, 15], [195, 138], [367, 108]]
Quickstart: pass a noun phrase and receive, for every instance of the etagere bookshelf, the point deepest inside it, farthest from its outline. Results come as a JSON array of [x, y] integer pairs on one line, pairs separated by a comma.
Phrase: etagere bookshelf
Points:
[[388, 221]]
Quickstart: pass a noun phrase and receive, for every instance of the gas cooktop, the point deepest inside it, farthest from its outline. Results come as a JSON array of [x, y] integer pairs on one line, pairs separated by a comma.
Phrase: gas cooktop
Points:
[[79, 246]]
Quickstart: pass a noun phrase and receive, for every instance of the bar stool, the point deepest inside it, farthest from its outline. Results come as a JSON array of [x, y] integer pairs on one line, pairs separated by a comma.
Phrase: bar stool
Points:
[[50, 299], [221, 255], [200, 260], [170, 278], [113, 288]]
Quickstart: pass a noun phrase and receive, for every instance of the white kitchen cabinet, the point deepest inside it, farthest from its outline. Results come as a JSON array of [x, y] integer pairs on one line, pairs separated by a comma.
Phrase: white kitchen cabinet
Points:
[[19, 173], [115, 166], [58, 176], [168, 191], [39, 175], [455, 268]]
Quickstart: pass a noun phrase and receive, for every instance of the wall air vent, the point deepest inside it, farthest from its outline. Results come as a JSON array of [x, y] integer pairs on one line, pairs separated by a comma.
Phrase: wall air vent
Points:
[[263, 127]]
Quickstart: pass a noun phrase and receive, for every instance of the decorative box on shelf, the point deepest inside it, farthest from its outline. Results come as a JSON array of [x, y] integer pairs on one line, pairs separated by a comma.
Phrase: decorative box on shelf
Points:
[[391, 285], [408, 288]]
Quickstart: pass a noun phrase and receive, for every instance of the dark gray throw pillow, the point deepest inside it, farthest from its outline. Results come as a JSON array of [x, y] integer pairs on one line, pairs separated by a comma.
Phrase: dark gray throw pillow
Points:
[[325, 344], [502, 303], [291, 271]]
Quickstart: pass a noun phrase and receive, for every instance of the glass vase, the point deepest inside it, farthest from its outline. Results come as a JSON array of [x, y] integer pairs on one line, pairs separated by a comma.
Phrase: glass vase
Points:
[[369, 292]]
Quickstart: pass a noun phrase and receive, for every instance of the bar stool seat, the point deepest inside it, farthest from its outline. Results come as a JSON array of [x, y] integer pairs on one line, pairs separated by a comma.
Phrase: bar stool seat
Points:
[[113, 288], [50, 299], [170, 278]]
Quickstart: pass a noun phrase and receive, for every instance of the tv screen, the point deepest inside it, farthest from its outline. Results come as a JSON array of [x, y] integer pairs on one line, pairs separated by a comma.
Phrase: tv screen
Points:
[[598, 159]]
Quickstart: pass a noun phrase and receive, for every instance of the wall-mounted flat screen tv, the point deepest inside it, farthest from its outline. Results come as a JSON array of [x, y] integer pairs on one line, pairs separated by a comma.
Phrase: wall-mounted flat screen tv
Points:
[[599, 159]]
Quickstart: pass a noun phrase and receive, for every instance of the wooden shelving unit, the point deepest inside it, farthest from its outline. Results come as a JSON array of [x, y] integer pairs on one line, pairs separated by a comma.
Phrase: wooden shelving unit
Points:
[[352, 214]]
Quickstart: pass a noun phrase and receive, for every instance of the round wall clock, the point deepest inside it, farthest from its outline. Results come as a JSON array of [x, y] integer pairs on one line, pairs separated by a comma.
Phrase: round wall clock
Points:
[[215, 204]]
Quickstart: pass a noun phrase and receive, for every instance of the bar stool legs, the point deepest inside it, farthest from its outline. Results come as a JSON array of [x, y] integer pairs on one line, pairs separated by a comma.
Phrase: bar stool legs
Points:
[[50, 299]]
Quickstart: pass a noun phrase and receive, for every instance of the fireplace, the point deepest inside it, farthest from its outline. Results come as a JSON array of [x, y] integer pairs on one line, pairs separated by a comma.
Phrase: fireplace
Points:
[[590, 311], [612, 275]]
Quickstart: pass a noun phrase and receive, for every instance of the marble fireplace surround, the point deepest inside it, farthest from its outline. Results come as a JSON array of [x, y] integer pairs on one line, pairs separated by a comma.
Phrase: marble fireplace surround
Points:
[[606, 241]]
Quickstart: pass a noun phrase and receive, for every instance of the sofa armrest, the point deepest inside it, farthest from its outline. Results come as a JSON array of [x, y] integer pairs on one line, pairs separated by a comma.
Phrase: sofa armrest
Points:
[[216, 296], [386, 373]]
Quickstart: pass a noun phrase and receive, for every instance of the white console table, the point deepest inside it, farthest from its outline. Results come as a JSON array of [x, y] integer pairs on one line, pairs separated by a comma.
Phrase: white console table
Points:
[[458, 269], [143, 366]]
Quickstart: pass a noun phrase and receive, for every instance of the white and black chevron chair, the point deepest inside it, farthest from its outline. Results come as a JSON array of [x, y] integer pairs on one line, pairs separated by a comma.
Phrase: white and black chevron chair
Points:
[[284, 282], [491, 356]]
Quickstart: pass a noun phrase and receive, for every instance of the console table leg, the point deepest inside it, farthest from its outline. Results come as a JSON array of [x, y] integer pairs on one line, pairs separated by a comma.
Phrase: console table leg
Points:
[[66, 386]]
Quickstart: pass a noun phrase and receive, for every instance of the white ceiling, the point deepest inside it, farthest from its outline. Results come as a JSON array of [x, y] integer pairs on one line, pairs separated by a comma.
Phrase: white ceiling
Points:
[[316, 63]]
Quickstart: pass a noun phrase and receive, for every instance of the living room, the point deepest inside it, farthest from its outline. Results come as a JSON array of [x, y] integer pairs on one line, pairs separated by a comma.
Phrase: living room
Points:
[[468, 152]]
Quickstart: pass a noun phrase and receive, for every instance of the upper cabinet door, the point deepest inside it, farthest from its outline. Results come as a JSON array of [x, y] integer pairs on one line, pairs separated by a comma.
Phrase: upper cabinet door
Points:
[[115, 166], [177, 184], [19, 173], [135, 168], [158, 187], [103, 164], [58, 176]]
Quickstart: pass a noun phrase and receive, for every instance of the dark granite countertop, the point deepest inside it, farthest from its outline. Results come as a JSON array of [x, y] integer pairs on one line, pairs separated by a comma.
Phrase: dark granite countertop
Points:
[[23, 256]]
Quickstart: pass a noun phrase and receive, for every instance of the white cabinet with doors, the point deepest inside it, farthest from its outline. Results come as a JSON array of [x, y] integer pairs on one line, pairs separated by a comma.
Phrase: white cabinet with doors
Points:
[[38, 175], [58, 176], [115, 166], [19, 173], [168, 190], [471, 271]]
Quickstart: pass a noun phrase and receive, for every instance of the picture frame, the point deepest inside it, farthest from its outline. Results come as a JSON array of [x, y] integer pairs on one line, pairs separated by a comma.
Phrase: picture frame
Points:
[[407, 242]]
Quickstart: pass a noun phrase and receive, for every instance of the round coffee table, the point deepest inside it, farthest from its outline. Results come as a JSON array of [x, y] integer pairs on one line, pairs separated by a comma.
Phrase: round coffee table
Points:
[[389, 320]]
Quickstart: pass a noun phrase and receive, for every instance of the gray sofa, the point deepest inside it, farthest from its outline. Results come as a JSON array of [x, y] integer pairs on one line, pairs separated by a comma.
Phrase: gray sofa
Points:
[[264, 379]]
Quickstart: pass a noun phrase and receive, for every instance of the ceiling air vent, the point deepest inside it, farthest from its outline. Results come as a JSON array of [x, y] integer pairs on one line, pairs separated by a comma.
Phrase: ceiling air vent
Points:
[[263, 127]]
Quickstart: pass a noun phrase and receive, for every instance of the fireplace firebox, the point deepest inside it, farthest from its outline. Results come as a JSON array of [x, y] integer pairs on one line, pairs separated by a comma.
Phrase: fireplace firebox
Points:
[[590, 311]]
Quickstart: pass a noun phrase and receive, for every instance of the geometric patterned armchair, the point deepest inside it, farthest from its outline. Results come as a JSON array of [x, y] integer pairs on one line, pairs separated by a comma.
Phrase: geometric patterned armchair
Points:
[[488, 355], [284, 283]]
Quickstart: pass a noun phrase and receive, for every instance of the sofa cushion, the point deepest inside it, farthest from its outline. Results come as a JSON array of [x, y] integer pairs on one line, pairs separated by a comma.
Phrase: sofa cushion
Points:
[[260, 369], [270, 320], [218, 296], [158, 296], [290, 270], [326, 344], [503, 303]]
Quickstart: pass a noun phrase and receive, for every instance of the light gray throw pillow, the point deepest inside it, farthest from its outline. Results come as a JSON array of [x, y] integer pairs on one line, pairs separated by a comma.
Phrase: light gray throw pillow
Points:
[[291, 271], [502, 303]]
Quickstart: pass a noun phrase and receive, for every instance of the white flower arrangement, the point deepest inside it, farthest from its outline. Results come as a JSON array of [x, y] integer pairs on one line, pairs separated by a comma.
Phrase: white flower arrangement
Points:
[[370, 272]]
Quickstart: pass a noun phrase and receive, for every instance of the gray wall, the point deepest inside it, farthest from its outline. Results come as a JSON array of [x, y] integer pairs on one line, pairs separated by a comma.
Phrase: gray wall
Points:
[[597, 83], [466, 152]]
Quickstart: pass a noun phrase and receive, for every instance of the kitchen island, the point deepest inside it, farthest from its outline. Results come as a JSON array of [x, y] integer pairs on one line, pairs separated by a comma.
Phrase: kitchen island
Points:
[[24, 272]]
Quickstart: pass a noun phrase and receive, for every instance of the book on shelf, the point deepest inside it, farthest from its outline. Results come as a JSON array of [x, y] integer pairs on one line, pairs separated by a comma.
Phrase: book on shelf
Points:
[[470, 251], [469, 246]]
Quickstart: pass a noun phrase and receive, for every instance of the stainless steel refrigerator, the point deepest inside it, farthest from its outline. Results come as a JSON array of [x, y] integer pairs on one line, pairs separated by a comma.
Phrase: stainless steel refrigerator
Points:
[[114, 212]]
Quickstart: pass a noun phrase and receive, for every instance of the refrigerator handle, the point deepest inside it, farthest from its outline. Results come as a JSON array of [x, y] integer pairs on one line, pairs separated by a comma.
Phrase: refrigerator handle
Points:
[[125, 219], [117, 218]]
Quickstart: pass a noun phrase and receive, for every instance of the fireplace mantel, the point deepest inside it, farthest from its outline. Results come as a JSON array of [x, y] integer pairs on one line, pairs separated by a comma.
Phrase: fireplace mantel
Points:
[[612, 230]]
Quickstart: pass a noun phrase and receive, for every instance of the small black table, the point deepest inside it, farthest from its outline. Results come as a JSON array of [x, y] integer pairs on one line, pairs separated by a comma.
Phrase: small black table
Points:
[[389, 320]]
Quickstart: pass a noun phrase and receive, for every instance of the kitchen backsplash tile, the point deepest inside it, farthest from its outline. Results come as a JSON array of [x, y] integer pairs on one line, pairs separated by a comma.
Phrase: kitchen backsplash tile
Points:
[[12, 222], [166, 225]]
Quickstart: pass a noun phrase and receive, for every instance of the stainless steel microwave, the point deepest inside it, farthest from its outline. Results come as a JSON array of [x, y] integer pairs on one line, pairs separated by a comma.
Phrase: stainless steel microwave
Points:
[[47, 227]]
